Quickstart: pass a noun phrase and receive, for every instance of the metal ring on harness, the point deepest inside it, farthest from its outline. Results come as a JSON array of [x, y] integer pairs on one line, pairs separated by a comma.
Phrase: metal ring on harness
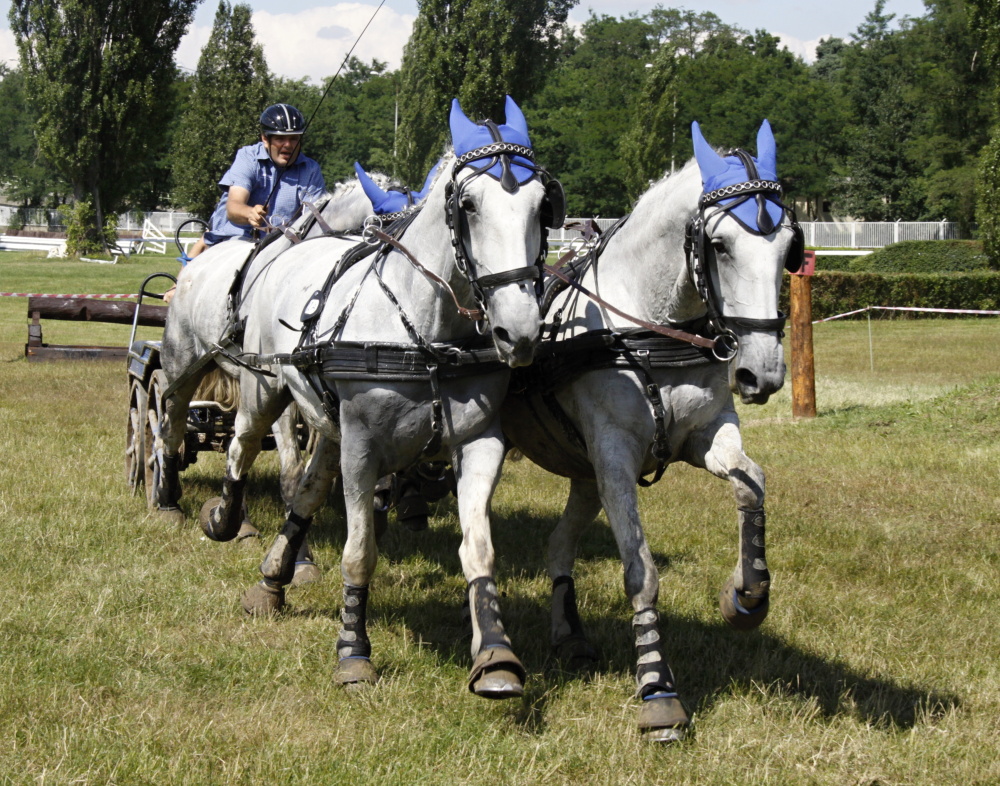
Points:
[[727, 341], [372, 223]]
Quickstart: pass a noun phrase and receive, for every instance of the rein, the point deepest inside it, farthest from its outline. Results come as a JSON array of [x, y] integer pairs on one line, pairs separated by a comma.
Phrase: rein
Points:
[[721, 342]]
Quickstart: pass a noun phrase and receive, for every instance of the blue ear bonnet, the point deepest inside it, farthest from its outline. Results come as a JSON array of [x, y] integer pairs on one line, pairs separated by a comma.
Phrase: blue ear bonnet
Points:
[[467, 136], [394, 200], [718, 172]]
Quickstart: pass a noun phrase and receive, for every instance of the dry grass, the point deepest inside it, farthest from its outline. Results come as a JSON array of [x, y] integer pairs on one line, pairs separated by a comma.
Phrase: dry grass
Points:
[[125, 659]]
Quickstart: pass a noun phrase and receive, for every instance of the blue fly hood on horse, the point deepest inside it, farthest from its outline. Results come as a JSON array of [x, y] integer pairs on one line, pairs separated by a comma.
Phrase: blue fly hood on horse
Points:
[[648, 334], [400, 355]]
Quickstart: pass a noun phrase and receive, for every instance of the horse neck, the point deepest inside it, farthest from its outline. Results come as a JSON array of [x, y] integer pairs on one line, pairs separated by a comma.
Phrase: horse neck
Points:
[[644, 265], [428, 239], [347, 208]]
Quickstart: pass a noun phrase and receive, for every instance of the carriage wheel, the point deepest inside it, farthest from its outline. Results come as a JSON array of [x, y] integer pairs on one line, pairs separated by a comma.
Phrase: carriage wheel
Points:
[[135, 457], [154, 417]]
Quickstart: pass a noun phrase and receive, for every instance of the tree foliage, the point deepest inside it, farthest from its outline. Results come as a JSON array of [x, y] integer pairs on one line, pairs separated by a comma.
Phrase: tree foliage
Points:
[[229, 91], [477, 51], [96, 71], [355, 122], [24, 174], [984, 21]]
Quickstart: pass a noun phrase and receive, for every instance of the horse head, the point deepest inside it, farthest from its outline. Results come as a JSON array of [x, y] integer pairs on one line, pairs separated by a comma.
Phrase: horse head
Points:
[[741, 238], [494, 205]]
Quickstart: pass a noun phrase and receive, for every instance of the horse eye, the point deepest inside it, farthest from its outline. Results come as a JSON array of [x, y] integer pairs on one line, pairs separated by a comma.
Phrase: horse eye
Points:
[[468, 205], [718, 246]]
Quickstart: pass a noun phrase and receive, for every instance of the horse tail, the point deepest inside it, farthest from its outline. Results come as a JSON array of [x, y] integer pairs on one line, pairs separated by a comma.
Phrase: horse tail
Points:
[[218, 386]]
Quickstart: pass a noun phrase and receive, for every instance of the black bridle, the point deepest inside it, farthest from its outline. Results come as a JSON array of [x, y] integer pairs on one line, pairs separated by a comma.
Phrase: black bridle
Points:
[[697, 254], [553, 210]]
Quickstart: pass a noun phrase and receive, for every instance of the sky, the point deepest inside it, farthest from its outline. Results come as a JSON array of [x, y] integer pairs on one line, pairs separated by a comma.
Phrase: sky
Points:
[[307, 39]]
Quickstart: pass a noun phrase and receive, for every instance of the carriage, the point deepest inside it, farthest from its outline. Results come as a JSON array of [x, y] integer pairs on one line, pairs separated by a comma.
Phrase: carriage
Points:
[[210, 423]]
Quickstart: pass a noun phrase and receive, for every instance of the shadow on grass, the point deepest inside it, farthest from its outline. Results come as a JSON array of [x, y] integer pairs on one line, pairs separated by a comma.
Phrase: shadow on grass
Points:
[[710, 661]]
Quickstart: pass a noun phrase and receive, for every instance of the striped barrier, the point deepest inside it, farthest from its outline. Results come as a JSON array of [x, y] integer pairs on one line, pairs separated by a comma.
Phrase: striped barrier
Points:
[[68, 297]]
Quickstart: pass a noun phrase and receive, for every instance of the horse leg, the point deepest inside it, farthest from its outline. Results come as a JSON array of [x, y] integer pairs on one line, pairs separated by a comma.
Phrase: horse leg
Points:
[[222, 517], [744, 599], [280, 564], [496, 671], [662, 717], [172, 430], [289, 455], [569, 641], [358, 562]]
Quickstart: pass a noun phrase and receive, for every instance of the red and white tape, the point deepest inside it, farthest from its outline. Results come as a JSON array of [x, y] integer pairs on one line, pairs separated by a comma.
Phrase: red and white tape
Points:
[[67, 297]]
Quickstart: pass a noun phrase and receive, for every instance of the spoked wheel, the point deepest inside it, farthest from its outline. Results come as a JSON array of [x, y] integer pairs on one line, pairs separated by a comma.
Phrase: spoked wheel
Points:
[[154, 417], [135, 456]]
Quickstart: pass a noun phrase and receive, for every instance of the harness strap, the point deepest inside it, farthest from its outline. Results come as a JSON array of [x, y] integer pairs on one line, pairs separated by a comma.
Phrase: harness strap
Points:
[[663, 330]]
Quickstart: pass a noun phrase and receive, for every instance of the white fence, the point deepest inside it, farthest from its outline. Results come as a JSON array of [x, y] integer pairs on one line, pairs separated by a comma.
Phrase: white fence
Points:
[[819, 234], [53, 221], [836, 234]]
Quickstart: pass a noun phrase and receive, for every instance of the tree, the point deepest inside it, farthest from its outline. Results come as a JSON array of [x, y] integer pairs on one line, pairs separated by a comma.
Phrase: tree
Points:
[[95, 71], [356, 121], [477, 51], [730, 83], [26, 177], [984, 22], [230, 89]]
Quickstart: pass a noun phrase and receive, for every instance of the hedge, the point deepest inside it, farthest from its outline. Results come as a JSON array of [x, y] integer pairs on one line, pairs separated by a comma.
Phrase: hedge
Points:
[[837, 293], [923, 256]]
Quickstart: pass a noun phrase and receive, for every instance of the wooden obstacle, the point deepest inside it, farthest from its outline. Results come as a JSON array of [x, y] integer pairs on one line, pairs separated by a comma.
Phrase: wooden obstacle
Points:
[[84, 310]]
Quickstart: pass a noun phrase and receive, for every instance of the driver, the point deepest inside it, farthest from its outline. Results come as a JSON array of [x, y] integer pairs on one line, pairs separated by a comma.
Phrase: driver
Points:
[[249, 195]]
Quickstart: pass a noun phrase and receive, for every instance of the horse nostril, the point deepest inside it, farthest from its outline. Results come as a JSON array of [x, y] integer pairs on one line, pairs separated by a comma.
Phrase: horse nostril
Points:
[[745, 378], [501, 336]]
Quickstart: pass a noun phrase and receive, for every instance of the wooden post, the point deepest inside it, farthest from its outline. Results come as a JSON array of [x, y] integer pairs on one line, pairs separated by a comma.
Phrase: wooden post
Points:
[[803, 370]]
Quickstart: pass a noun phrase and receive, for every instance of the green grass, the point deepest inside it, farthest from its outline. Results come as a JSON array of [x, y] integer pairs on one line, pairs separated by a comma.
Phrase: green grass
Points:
[[125, 658]]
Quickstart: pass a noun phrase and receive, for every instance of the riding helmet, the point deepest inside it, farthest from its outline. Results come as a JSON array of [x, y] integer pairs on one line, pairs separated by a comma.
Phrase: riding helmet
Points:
[[282, 119]]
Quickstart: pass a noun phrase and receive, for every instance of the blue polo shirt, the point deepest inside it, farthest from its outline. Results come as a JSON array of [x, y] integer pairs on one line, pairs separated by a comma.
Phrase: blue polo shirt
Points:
[[254, 170]]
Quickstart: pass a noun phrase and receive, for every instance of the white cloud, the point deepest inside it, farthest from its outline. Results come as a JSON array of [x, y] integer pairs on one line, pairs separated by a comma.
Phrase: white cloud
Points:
[[804, 49], [8, 49], [312, 43]]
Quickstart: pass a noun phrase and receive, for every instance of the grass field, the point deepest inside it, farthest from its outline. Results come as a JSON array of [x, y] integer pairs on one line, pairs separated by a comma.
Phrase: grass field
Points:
[[125, 658]]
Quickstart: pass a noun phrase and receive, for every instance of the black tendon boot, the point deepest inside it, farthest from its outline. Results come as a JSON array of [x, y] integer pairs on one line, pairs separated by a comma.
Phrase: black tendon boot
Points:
[[662, 717]]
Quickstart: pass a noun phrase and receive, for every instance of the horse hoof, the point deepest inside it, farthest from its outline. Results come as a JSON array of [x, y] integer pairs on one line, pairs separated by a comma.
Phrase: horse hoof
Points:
[[171, 516], [497, 674], [263, 600], [355, 672], [247, 530], [306, 572], [663, 719], [577, 654], [735, 613]]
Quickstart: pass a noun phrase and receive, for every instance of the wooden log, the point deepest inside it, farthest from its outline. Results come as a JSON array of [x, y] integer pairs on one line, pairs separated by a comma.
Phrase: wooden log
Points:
[[88, 310]]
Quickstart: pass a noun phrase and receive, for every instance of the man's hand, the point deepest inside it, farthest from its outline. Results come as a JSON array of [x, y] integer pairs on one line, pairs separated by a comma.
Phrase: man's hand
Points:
[[256, 216]]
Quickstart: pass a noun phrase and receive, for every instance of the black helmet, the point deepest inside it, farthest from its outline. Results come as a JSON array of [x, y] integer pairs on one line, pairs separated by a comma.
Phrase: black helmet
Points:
[[282, 119]]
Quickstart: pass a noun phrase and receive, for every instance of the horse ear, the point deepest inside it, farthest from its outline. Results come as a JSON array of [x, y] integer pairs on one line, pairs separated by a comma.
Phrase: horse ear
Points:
[[461, 126], [767, 150], [371, 188], [709, 162], [418, 195], [515, 117]]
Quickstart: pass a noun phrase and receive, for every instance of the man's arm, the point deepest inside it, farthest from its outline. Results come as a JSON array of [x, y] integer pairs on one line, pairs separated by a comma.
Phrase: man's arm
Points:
[[241, 212]]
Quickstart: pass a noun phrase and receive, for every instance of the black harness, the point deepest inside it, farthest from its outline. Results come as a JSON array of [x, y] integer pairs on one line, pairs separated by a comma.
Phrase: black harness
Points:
[[323, 359]]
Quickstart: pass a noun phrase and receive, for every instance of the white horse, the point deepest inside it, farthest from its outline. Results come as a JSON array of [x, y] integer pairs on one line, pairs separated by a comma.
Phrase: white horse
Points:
[[604, 405], [202, 333], [384, 366]]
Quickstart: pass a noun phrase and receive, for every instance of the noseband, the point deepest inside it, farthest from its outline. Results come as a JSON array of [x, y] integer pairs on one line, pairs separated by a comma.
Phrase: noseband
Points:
[[696, 246]]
